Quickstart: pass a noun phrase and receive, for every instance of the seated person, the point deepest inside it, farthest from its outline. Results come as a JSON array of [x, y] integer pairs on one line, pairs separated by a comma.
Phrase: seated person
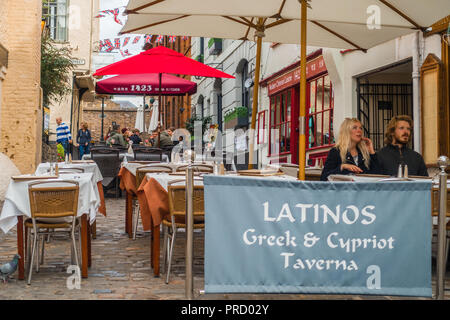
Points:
[[135, 137], [166, 138], [396, 151], [116, 138], [353, 153]]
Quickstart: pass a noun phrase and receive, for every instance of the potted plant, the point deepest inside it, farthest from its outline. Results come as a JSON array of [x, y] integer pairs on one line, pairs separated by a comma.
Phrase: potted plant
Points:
[[236, 118], [199, 58], [215, 46]]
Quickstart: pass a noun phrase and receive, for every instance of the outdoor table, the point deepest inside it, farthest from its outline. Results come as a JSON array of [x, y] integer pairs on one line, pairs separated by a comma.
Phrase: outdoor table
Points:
[[126, 157], [17, 205], [88, 167], [127, 175], [154, 203]]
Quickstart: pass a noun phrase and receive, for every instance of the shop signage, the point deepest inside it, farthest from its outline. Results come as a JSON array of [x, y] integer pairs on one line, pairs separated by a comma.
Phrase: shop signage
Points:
[[282, 236], [291, 78], [79, 61]]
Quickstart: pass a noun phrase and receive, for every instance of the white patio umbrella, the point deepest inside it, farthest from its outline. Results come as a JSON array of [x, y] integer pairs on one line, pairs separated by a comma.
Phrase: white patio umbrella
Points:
[[153, 125], [345, 24], [139, 123]]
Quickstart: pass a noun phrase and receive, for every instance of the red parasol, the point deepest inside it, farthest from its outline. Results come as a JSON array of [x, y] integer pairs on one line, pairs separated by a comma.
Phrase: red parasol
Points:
[[161, 60], [145, 84]]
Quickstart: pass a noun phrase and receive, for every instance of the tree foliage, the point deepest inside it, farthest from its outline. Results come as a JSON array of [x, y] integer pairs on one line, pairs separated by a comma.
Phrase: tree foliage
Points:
[[56, 64]]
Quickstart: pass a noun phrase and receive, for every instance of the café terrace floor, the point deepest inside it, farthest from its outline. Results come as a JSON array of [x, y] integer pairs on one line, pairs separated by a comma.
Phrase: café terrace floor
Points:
[[121, 269]]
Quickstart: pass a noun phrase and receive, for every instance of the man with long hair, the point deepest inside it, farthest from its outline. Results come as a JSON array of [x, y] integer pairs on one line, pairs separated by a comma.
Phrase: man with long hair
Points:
[[396, 151]]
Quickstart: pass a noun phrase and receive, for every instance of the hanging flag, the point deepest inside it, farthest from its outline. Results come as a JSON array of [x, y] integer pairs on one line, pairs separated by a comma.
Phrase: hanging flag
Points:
[[172, 38], [107, 43], [125, 41], [160, 39], [125, 53], [99, 16], [117, 43], [148, 38], [115, 12], [184, 37], [136, 39]]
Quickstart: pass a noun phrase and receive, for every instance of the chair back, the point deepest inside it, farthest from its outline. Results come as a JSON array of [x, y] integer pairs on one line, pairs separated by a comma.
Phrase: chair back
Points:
[[107, 160], [177, 201], [148, 154], [48, 200], [71, 170], [144, 162], [141, 171], [197, 168]]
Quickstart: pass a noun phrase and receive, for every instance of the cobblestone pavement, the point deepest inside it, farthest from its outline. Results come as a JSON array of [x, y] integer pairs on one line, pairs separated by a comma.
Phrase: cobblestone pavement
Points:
[[121, 269]]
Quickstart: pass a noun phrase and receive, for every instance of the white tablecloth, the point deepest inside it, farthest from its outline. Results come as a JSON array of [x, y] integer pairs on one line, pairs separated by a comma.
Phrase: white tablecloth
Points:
[[132, 167], [164, 178], [17, 202], [43, 168]]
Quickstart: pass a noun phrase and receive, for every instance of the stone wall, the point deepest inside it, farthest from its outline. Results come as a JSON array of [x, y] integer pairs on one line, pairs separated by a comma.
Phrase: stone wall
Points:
[[21, 111]]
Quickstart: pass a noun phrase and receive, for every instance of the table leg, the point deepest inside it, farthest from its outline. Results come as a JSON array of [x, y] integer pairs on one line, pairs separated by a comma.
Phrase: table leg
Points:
[[94, 230], [155, 232], [20, 250], [129, 214], [84, 246], [89, 244]]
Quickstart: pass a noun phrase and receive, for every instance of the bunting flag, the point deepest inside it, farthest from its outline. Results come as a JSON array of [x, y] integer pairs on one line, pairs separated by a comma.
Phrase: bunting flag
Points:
[[106, 43], [159, 39], [172, 38], [125, 53], [115, 12], [117, 43], [148, 38], [184, 37], [136, 39], [125, 41]]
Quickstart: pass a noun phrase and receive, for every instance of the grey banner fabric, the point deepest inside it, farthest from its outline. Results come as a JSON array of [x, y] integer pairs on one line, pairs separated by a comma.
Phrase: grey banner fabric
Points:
[[278, 236]]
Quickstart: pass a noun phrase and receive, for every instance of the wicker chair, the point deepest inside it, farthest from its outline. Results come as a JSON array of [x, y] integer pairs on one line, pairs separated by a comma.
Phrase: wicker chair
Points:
[[108, 162], [140, 174], [148, 154], [177, 208], [71, 170], [197, 168], [52, 207]]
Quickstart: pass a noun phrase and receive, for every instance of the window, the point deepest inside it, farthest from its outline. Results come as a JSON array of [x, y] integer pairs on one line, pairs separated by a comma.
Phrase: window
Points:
[[245, 99], [56, 13], [320, 113], [280, 122], [261, 127]]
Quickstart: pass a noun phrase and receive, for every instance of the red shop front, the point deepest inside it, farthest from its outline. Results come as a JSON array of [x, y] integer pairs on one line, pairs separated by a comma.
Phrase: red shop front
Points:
[[283, 90]]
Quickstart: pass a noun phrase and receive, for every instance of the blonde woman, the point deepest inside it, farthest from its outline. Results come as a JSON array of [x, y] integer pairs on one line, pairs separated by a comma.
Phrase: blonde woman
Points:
[[353, 152], [84, 139]]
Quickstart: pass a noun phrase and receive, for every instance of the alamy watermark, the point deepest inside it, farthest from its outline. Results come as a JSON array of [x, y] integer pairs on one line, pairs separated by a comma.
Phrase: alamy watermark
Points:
[[74, 280]]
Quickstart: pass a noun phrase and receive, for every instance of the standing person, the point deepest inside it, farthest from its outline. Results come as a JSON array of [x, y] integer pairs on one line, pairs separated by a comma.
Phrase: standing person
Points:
[[84, 139], [396, 151], [63, 135], [353, 153]]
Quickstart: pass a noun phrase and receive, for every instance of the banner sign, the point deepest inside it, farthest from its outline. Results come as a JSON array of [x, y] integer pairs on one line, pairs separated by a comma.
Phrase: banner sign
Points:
[[272, 235]]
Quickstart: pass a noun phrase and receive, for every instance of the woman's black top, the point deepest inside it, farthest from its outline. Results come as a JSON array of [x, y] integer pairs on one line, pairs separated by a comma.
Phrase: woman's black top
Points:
[[334, 162]]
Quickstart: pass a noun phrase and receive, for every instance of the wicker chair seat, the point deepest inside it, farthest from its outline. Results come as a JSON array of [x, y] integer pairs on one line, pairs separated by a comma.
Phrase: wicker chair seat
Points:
[[50, 225], [199, 222]]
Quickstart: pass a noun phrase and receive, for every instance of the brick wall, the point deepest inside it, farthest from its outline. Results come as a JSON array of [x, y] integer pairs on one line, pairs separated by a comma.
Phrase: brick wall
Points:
[[21, 113], [92, 115]]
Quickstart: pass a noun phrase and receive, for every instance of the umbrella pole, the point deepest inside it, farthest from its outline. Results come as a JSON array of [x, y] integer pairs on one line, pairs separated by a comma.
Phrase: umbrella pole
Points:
[[102, 137], [302, 113], [255, 101], [143, 115], [159, 111]]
